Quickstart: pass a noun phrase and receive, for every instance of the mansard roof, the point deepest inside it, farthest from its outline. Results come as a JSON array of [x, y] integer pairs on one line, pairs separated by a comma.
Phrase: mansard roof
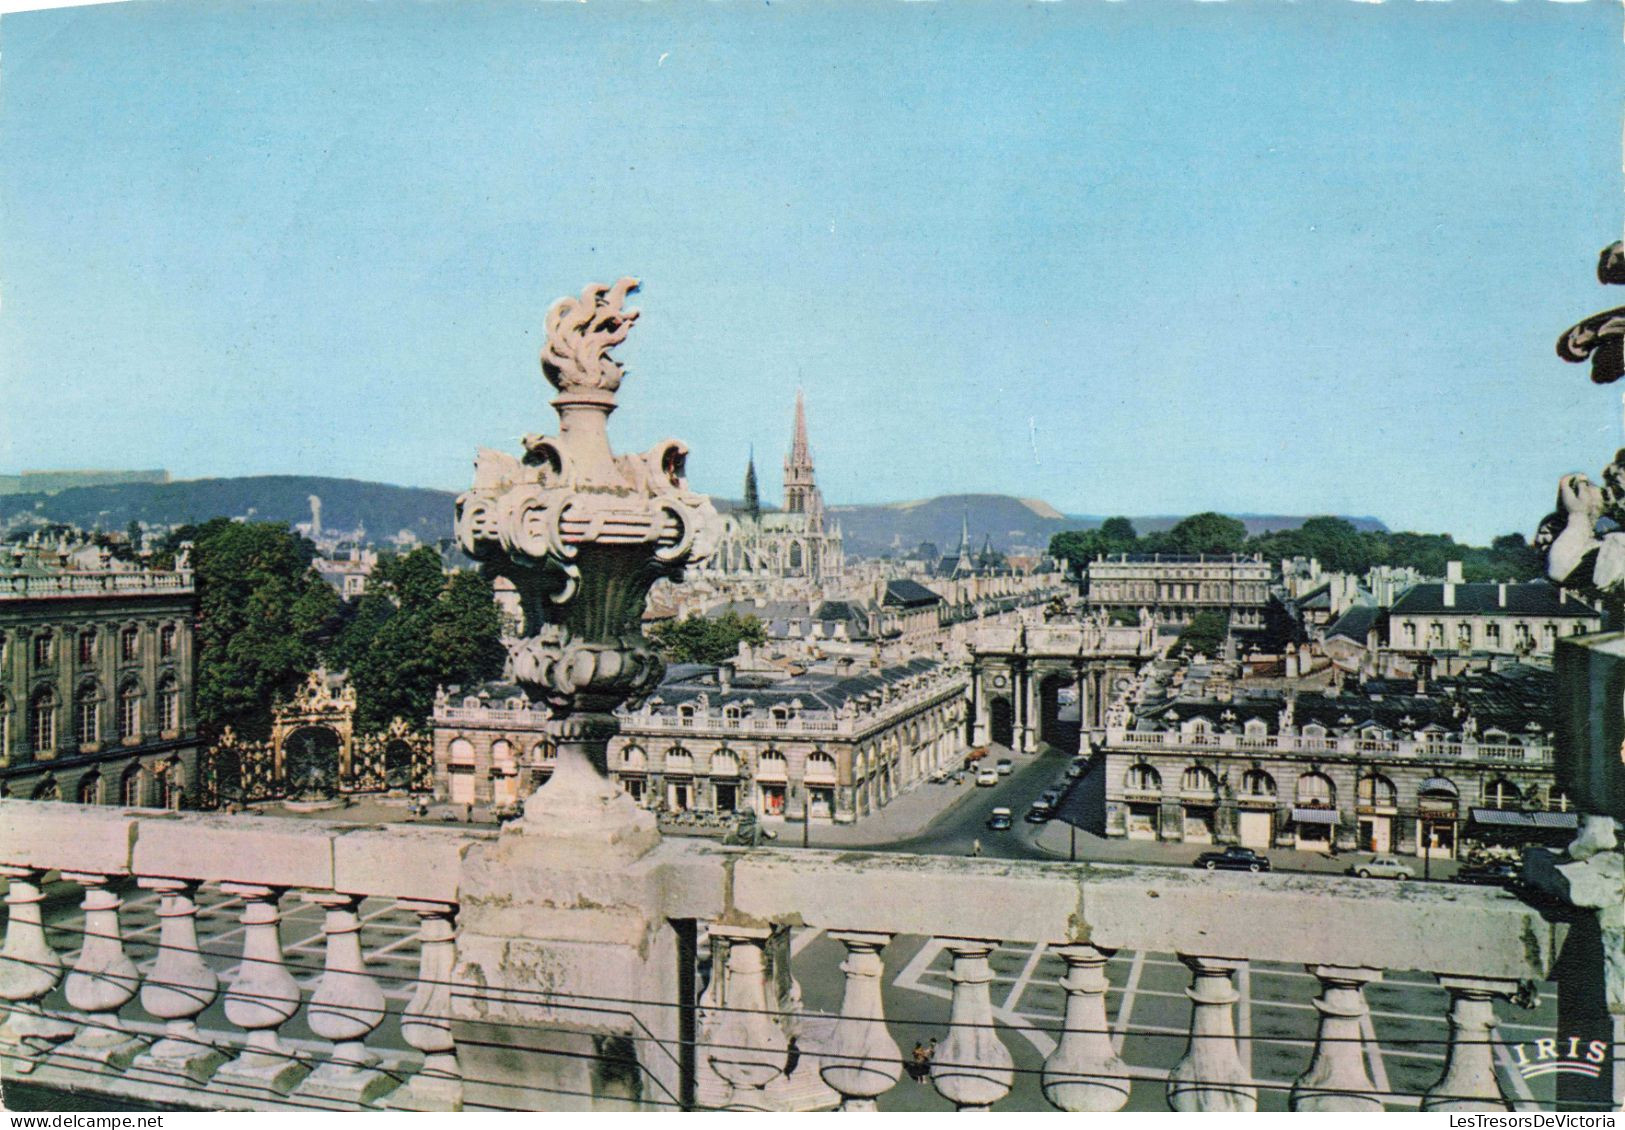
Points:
[[816, 690], [909, 594], [1356, 623], [1532, 598]]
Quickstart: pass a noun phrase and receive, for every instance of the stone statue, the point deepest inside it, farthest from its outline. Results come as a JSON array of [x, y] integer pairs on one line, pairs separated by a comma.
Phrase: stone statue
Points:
[[1576, 555], [582, 534]]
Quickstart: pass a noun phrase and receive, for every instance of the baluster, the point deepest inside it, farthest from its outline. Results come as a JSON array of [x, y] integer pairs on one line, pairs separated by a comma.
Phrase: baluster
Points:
[[263, 997], [742, 1043], [971, 1068], [29, 969], [1337, 1078], [863, 1061], [347, 1005], [1211, 1076], [1084, 1072], [180, 986], [426, 1020], [1469, 1081], [102, 981]]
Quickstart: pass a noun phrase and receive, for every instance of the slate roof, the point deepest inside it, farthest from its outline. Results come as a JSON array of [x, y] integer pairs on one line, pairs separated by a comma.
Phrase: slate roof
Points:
[[1356, 623], [1532, 598], [909, 594], [817, 690]]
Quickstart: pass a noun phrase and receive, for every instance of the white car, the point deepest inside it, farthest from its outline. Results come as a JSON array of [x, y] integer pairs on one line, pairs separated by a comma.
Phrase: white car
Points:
[[1382, 867], [1005, 767], [987, 777]]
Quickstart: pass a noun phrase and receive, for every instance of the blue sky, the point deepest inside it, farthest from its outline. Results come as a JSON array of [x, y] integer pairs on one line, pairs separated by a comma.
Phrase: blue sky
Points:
[[1143, 257]]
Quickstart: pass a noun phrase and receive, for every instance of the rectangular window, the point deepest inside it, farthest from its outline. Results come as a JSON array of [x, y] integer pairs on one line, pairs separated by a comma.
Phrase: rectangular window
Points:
[[166, 640], [129, 714], [87, 648], [89, 728], [129, 643], [43, 651]]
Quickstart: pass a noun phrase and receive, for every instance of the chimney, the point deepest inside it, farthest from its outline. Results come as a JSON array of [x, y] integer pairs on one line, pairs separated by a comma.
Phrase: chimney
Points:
[[725, 677], [1452, 572], [1450, 593], [1501, 595]]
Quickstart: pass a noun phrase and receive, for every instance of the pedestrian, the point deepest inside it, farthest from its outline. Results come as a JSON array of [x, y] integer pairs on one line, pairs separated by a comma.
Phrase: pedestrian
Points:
[[792, 1057], [921, 1066], [976, 847], [470, 813]]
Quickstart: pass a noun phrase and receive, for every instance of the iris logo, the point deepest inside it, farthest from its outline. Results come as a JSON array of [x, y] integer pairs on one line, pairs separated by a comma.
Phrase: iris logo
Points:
[[1560, 1057]]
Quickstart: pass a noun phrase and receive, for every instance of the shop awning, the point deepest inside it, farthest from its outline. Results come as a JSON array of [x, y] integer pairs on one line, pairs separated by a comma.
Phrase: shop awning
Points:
[[1315, 815], [1502, 818]]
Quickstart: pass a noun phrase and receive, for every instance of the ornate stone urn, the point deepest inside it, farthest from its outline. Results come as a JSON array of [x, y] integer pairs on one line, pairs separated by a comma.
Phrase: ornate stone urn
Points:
[[582, 534]]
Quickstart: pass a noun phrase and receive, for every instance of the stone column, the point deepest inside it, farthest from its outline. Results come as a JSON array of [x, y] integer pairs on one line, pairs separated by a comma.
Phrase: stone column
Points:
[[347, 1006], [862, 1060], [1085, 1073], [1212, 1075], [741, 1041], [29, 969], [972, 1068], [262, 999], [1469, 1081], [1337, 1078], [179, 989], [426, 1020], [981, 726], [103, 980]]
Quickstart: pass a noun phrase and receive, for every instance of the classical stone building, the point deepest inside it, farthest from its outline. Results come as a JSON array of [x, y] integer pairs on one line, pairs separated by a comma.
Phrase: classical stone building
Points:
[[1392, 767], [793, 542], [1491, 619], [1175, 587], [490, 746], [842, 740], [96, 686]]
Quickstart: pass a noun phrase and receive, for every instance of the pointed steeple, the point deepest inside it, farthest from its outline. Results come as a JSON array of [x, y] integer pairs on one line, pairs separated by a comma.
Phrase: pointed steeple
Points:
[[753, 501], [800, 485], [964, 532], [800, 452]]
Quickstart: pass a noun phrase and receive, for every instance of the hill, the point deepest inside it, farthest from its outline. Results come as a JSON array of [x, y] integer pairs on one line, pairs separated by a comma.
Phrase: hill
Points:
[[1014, 524], [347, 504]]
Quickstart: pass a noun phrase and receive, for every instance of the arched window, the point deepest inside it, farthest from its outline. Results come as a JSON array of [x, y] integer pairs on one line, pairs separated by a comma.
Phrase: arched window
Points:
[[1257, 783], [1142, 778], [634, 759], [47, 790], [1197, 779], [679, 760], [724, 763], [169, 704], [90, 789], [544, 753], [129, 710], [87, 709], [502, 760], [771, 766], [820, 767], [461, 752], [42, 721], [1502, 793], [133, 788], [1377, 791], [1315, 790], [171, 784]]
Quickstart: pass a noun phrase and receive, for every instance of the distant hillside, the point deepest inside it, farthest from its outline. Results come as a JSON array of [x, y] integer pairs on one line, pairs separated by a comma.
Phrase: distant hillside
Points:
[[1014, 524], [347, 504]]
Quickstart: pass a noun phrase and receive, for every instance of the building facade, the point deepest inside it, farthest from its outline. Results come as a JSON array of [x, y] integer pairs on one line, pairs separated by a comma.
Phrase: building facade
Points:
[[96, 696], [1384, 770], [1486, 619], [1175, 587]]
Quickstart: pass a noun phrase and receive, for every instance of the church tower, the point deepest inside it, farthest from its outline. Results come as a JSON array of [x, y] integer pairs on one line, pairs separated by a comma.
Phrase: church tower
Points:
[[753, 500], [800, 488]]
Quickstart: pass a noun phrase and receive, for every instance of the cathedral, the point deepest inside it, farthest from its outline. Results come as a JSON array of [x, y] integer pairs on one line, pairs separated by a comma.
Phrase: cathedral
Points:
[[790, 543]]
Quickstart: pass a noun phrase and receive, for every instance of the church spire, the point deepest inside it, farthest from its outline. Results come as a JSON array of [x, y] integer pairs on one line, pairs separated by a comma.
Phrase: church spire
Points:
[[800, 452], [753, 501], [800, 486]]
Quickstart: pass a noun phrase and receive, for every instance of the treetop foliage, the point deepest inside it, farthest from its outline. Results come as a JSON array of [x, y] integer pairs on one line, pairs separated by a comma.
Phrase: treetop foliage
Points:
[[699, 639]]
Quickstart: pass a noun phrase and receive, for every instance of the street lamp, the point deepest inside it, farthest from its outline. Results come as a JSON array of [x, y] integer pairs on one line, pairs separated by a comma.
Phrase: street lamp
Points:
[[805, 795]]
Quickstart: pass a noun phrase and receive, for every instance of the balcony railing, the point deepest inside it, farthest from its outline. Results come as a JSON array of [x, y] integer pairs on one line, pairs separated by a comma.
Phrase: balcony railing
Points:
[[1404, 749], [21, 586], [232, 893]]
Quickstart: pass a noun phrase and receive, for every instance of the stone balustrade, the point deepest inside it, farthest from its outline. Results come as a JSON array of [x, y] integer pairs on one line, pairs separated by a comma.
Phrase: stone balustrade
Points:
[[1540, 753], [70, 1022], [25, 586]]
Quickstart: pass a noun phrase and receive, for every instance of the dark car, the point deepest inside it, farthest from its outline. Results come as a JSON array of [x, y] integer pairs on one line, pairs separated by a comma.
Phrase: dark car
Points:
[[999, 820], [1499, 874], [1039, 812], [1233, 859]]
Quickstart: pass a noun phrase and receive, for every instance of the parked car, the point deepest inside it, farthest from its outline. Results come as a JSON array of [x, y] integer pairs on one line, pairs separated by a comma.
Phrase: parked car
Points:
[[999, 820], [1500, 873], [1040, 811], [1233, 859], [1051, 795], [1005, 767], [1076, 770], [987, 777], [1382, 867], [939, 776]]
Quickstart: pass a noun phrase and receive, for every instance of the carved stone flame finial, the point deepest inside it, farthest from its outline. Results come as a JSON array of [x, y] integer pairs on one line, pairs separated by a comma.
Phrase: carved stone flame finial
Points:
[[580, 334]]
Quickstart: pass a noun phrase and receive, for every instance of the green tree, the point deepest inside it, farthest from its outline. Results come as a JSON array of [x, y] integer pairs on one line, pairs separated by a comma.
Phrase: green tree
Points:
[[416, 630], [1207, 533], [1205, 633], [700, 639], [1119, 532], [260, 614]]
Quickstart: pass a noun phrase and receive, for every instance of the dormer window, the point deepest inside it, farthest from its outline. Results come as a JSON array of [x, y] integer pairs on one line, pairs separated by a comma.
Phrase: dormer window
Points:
[[685, 714], [731, 713]]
